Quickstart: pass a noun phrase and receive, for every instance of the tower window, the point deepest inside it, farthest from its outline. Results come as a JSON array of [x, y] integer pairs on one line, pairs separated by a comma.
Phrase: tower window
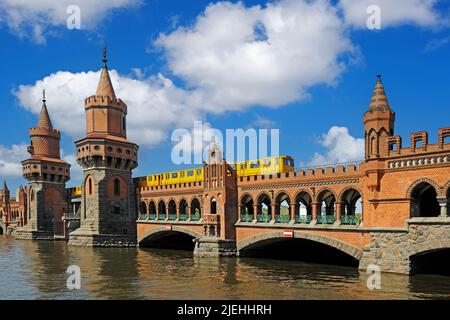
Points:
[[116, 187], [124, 124], [90, 186]]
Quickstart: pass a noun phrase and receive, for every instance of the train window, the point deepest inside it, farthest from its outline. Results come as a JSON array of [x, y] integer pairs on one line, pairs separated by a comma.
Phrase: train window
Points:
[[199, 171], [174, 175], [254, 165], [243, 166], [190, 173], [267, 163]]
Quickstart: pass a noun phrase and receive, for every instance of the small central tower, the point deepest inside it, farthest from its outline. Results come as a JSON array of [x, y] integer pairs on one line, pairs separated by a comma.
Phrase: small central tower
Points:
[[108, 199], [47, 175]]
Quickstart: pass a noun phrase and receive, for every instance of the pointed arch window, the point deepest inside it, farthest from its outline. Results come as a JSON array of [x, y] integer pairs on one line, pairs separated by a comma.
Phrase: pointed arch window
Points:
[[116, 187]]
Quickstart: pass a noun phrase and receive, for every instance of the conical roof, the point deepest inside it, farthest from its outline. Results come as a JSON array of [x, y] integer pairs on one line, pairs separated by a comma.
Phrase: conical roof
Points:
[[379, 100], [44, 117], [105, 87]]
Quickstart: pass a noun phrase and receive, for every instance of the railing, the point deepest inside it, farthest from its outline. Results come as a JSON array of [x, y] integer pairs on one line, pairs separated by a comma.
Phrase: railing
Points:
[[195, 217], [332, 165], [152, 217], [282, 218], [172, 217], [325, 219], [263, 218], [184, 217], [351, 220], [142, 216], [162, 217], [303, 219], [246, 218]]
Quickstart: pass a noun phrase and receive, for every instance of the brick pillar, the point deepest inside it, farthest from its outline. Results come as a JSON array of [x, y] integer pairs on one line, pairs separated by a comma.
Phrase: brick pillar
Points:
[[274, 207], [314, 210], [239, 212], [338, 212], [189, 212], [255, 212], [292, 211]]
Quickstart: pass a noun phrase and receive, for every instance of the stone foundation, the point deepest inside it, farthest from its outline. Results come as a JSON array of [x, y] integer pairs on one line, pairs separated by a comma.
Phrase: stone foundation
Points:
[[90, 239], [25, 233], [392, 250], [214, 247]]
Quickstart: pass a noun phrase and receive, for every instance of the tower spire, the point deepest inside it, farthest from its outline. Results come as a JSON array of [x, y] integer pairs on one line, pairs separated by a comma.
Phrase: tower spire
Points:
[[44, 117], [379, 100], [105, 87]]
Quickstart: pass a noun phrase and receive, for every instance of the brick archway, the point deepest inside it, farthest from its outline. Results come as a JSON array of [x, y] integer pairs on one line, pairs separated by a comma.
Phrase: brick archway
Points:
[[423, 180], [337, 244], [159, 230]]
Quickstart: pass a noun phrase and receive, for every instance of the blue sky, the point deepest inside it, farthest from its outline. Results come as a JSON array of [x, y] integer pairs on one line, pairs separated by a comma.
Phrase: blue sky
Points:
[[156, 50]]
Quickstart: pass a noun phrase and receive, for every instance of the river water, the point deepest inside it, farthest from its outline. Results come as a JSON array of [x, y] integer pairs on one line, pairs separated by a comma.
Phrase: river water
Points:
[[37, 270]]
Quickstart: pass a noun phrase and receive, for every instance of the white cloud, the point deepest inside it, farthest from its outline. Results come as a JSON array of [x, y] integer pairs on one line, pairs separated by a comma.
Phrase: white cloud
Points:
[[341, 147], [154, 104], [76, 172], [237, 56], [10, 159], [393, 12], [37, 18]]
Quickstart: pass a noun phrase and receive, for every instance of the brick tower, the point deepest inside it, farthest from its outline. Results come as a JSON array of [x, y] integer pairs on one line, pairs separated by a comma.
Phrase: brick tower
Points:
[[108, 200], [5, 204], [47, 175], [379, 123], [220, 208]]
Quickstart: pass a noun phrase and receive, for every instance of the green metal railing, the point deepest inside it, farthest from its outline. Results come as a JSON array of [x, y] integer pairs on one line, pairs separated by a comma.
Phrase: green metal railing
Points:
[[325, 219], [142, 216], [246, 218], [351, 220], [162, 217], [282, 218], [184, 217], [263, 218], [152, 217], [303, 219], [172, 217], [195, 217]]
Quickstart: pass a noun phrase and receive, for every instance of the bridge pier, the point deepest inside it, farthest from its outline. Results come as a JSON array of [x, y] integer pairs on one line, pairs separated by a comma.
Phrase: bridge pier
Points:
[[214, 247]]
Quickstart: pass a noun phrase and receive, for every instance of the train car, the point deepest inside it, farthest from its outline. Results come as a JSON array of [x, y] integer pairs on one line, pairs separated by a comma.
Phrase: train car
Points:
[[271, 165], [74, 191], [264, 166]]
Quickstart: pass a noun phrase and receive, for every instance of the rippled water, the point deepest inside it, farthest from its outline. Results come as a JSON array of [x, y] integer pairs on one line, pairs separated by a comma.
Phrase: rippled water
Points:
[[37, 270]]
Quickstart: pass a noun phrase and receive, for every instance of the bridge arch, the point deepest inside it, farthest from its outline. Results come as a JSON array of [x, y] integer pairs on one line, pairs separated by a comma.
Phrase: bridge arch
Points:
[[334, 243], [159, 232], [430, 257]]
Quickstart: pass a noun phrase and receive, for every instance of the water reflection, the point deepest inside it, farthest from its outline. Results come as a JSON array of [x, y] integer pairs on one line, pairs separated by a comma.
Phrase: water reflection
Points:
[[37, 270]]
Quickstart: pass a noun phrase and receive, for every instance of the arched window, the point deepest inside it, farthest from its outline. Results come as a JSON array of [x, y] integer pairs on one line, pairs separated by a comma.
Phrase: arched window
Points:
[[90, 186], [116, 187], [424, 201], [213, 206]]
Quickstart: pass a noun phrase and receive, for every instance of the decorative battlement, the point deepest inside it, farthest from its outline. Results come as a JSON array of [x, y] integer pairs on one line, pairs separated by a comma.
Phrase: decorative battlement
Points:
[[419, 144], [104, 101], [45, 132]]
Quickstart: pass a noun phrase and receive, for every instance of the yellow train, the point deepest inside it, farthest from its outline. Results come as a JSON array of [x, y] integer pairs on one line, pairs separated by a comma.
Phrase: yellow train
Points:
[[270, 165], [74, 191]]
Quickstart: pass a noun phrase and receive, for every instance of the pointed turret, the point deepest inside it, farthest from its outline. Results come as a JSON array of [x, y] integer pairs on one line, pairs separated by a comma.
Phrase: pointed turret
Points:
[[5, 187], [44, 117], [379, 123], [105, 87], [379, 100]]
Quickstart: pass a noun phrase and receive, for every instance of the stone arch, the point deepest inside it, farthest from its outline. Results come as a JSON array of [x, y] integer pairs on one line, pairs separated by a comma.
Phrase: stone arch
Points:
[[160, 230], [182, 207], [162, 209], [303, 203], [283, 204], [422, 180], [437, 244], [142, 210], [322, 191], [264, 200], [196, 207], [337, 244]]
